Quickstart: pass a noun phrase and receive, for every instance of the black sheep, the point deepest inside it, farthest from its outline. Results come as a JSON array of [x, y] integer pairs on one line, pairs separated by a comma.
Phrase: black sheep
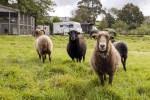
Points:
[[123, 51], [76, 47]]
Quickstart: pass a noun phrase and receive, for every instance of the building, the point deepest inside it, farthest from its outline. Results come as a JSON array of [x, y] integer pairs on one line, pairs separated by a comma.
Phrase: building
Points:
[[14, 22], [88, 27]]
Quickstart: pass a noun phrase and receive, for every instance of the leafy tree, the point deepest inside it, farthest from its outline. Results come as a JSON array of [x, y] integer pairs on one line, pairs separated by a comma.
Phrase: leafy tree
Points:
[[110, 19], [4, 2], [37, 8], [103, 24], [120, 25], [114, 12], [41, 22], [57, 19], [131, 14], [87, 11]]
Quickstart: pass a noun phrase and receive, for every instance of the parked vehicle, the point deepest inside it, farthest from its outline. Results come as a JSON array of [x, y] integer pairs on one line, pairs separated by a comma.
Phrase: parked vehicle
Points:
[[65, 27]]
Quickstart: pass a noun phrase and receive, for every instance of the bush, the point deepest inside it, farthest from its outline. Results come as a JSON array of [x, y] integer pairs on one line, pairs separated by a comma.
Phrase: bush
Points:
[[103, 24], [133, 26], [40, 22], [120, 26], [143, 30]]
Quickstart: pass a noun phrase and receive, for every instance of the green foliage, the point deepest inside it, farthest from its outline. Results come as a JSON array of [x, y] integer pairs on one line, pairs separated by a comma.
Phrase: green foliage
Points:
[[142, 30], [23, 76], [110, 19], [120, 26], [87, 11], [114, 12], [36, 8], [4, 2], [41, 22], [103, 24], [131, 14], [57, 19]]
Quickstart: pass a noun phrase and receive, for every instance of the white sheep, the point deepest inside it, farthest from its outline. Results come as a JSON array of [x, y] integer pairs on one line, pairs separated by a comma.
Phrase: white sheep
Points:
[[43, 44]]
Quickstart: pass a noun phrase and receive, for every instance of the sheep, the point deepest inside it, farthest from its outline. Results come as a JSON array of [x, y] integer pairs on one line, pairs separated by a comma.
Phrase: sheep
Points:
[[43, 44], [123, 51], [105, 59], [76, 46]]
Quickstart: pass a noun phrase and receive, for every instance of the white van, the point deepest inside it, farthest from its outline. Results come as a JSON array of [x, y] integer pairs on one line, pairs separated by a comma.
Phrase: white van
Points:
[[65, 27]]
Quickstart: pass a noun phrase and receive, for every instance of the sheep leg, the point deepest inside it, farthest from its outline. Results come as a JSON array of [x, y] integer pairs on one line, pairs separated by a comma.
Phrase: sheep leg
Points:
[[43, 58], [111, 78], [80, 59], [101, 79], [123, 60], [125, 64], [72, 59], [49, 57], [77, 60], [83, 58], [105, 77], [49, 54]]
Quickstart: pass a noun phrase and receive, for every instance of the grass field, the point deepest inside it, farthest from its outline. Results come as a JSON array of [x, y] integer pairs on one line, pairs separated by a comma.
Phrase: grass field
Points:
[[24, 76]]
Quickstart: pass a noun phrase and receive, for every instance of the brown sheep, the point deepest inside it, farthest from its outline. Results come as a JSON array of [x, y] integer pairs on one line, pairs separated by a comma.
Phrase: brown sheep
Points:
[[43, 44], [105, 58]]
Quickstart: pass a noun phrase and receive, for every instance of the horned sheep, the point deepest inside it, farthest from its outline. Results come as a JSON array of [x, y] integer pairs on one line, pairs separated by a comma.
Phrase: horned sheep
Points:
[[105, 58]]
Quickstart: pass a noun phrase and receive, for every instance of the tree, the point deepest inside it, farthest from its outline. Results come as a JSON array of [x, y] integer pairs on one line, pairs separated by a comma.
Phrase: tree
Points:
[[114, 12], [41, 22], [110, 19], [4, 2], [57, 19], [120, 26], [37, 8], [103, 24], [131, 14], [87, 11]]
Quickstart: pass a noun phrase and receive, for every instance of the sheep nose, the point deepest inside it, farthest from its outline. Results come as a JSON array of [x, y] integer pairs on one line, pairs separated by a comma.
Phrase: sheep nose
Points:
[[102, 45]]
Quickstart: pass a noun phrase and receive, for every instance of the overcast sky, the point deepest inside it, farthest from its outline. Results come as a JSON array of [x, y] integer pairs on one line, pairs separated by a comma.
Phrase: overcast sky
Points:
[[64, 7]]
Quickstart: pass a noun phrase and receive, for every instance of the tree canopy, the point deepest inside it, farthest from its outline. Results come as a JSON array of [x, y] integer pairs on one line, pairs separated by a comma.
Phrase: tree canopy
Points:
[[87, 11], [131, 14], [36, 8]]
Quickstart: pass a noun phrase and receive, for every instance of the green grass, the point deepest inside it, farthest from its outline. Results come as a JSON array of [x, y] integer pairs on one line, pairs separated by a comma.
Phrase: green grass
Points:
[[23, 76]]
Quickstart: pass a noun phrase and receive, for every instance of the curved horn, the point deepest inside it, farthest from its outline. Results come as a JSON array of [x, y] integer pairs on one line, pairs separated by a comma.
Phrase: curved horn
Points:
[[43, 31]]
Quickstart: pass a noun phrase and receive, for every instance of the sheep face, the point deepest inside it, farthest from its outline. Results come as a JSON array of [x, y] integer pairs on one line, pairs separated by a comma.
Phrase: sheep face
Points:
[[39, 32], [73, 35], [102, 40]]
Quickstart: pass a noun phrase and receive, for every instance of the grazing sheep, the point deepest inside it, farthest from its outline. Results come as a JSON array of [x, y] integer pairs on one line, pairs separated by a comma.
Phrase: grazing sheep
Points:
[[123, 51], [76, 47], [105, 58], [43, 44]]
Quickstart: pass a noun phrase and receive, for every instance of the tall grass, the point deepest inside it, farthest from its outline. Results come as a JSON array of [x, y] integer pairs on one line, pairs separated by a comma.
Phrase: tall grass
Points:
[[24, 76]]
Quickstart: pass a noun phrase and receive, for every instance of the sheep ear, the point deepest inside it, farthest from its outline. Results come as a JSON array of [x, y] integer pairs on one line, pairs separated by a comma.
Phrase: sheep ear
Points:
[[94, 36]]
